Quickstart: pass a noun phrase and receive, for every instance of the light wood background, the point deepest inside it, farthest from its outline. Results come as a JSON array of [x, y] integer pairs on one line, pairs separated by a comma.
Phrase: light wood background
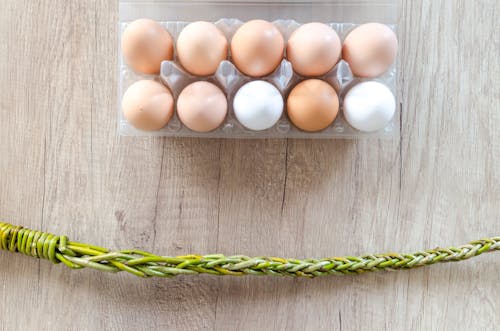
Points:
[[64, 169]]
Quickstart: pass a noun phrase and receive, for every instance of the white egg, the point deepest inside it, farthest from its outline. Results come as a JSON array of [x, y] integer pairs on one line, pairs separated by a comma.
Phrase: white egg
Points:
[[258, 105], [369, 106]]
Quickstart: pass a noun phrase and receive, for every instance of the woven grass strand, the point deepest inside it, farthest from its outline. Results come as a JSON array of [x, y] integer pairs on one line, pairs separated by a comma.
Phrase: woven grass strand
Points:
[[143, 264]]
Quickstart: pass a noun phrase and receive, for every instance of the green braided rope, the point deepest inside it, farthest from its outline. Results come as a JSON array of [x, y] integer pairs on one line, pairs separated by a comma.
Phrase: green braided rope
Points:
[[77, 256]]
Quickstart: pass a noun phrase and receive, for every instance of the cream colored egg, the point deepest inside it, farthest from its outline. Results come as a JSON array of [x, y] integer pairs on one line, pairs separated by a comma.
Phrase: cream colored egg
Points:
[[370, 49], [201, 47], [314, 49], [202, 106], [148, 105]]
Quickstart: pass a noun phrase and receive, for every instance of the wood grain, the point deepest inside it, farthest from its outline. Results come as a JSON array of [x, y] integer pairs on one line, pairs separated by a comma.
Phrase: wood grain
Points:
[[64, 169]]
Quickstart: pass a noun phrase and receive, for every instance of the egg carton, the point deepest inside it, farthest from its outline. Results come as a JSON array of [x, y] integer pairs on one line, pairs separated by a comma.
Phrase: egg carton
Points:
[[230, 79]]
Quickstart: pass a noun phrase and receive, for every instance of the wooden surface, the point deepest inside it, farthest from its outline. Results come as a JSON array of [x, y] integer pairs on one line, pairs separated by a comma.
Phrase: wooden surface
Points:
[[64, 169]]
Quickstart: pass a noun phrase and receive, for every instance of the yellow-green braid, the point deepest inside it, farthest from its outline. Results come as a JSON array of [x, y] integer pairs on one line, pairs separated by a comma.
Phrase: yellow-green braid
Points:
[[143, 264]]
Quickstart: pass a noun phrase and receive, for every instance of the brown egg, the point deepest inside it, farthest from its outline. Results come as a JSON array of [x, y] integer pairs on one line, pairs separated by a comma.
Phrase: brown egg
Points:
[[312, 105], [145, 44], [148, 105], [257, 48], [201, 47], [370, 49], [202, 106], [313, 49]]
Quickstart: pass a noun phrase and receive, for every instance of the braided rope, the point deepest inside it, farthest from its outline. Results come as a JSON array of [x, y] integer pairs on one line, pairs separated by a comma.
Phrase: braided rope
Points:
[[143, 264]]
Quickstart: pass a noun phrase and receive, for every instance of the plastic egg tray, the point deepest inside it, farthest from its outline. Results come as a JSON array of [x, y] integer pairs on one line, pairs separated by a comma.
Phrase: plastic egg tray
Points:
[[230, 79]]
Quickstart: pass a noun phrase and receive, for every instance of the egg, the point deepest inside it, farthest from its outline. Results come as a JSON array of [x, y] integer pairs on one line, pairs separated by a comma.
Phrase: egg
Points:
[[201, 47], [258, 105], [313, 49], [370, 49], [148, 105], [145, 44], [202, 106], [312, 105], [257, 48], [369, 106]]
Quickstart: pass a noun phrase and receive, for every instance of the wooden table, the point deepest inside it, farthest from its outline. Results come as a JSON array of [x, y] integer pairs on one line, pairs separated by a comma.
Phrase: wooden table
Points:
[[64, 169]]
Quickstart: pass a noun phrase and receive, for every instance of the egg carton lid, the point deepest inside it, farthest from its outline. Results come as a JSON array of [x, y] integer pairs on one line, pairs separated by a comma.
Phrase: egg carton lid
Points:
[[354, 11]]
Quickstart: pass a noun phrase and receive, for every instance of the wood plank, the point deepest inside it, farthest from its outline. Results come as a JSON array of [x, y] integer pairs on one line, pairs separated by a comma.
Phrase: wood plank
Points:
[[450, 188], [22, 145]]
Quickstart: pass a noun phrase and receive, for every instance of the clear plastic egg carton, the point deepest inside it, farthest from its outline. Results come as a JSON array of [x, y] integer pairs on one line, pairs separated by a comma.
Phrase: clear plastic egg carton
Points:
[[286, 16]]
